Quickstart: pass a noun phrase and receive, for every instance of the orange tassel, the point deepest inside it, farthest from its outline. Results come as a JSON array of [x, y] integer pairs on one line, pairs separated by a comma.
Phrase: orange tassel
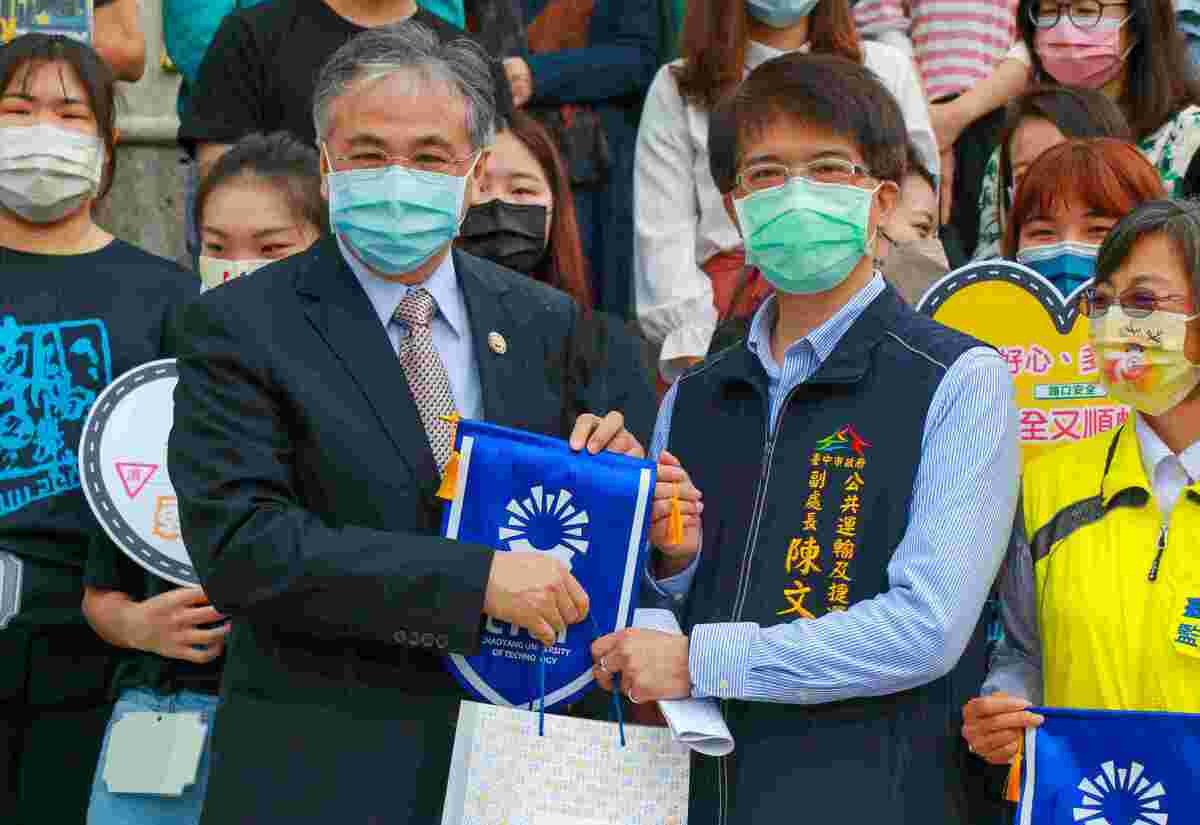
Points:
[[449, 485], [675, 523], [1013, 791]]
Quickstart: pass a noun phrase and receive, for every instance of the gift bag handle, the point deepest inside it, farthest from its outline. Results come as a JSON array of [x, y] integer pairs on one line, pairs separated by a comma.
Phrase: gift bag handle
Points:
[[616, 695]]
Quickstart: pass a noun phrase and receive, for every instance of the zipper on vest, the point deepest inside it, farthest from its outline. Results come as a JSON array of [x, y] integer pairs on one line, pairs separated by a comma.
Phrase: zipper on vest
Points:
[[760, 497], [1162, 546]]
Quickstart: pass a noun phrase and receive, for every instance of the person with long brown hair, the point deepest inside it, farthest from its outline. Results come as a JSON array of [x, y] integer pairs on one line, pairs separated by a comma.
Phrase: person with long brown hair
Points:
[[1133, 54], [688, 258], [523, 212], [522, 216]]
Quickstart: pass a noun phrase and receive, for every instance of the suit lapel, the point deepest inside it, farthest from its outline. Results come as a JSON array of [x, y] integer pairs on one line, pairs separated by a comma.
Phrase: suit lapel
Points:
[[487, 300], [342, 315]]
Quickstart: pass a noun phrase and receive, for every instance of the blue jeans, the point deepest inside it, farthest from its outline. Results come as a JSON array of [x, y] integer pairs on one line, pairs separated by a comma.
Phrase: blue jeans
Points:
[[135, 809]]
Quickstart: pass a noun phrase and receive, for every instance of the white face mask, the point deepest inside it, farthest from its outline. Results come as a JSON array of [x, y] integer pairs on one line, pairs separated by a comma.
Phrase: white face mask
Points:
[[216, 271], [46, 173]]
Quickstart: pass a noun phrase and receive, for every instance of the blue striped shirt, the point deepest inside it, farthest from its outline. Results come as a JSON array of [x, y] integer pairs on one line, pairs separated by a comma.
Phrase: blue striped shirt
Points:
[[939, 576]]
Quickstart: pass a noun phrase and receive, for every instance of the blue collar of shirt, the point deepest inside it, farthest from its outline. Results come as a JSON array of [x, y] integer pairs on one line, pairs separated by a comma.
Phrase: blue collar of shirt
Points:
[[386, 295], [823, 339], [1154, 451]]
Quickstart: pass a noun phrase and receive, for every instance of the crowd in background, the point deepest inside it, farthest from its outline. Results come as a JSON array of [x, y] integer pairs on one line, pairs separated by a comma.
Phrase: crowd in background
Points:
[[1061, 135]]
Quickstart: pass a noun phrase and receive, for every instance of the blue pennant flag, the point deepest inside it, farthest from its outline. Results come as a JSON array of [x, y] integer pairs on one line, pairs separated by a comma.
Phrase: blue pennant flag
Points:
[[1093, 767], [520, 491]]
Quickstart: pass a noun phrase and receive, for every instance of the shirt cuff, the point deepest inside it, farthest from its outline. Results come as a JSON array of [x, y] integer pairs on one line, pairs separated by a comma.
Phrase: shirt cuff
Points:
[[690, 341], [719, 659], [674, 588]]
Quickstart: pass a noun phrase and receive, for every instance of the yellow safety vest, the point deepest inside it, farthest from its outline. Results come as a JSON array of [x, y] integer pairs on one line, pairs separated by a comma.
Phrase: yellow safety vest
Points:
[[1118, 595]]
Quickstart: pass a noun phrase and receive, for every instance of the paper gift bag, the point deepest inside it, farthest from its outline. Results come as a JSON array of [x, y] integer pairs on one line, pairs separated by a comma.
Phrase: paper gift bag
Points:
[[503, 773]]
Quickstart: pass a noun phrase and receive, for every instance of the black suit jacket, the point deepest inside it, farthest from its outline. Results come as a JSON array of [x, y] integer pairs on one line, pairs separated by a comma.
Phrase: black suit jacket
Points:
[[306, 495]]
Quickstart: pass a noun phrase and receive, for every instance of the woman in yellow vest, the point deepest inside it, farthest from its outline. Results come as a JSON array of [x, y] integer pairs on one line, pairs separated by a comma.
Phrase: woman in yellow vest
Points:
[[1101, 589]]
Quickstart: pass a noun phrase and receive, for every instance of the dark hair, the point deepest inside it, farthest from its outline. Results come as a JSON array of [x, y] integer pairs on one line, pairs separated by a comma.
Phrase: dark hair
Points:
[[916, 166], [292, 168], [1109, 176], [32, 50], [1191, 178], [1077, 113], [1179, 220], [818, 90], [1160, 78], [564, 267], [714, 38]]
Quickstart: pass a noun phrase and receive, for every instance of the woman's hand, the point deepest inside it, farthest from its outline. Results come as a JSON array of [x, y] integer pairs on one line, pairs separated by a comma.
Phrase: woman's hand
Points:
[[994, 725]]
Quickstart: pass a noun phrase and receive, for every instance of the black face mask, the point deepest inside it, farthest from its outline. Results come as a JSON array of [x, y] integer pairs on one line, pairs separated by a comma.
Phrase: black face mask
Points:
[[510, 234]]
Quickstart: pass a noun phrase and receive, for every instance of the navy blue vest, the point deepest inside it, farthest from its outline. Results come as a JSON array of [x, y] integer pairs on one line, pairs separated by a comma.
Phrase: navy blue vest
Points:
[[802, 522]]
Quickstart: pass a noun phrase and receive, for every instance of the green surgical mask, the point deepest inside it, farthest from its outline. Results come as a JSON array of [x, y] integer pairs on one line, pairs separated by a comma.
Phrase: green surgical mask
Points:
[[806, 237]]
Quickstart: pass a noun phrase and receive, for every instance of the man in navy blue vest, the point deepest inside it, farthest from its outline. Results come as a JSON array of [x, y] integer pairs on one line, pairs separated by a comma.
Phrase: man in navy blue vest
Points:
[[858, 464]]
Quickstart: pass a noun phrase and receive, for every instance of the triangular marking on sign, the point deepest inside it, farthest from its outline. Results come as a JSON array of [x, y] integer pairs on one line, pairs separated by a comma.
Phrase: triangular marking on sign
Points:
[[1156, 791], [563, 498], [1110, 770], [134, 476]]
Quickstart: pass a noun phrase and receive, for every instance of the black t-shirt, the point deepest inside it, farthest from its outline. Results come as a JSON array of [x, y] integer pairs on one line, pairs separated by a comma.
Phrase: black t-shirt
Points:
[[69, 325], [261, 69]]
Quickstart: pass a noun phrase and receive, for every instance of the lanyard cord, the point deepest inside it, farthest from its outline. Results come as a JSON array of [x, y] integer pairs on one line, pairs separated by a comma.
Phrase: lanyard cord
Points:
[[617, 714]]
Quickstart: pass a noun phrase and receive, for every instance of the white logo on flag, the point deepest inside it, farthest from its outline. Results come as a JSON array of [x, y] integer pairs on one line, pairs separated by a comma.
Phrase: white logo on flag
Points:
[[1122, 796], [546, 522]]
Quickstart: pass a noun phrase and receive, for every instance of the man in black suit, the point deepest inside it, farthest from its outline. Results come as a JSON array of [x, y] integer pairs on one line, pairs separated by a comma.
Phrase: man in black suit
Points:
[[310, 431]]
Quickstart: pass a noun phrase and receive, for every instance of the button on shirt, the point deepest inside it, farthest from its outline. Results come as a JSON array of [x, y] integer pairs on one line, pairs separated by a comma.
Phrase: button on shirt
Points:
[[449, 328], [1168, 473], [940, 573]]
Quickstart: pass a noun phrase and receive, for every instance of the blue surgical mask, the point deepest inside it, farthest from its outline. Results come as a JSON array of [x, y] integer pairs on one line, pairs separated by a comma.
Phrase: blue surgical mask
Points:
[[806, 237], [780, 14], [1065, 264], [396, 219]]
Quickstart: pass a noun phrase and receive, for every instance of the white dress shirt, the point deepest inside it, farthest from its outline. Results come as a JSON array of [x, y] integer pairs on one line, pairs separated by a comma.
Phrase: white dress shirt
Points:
[[679, 217], [449, 327], [1168, 474]]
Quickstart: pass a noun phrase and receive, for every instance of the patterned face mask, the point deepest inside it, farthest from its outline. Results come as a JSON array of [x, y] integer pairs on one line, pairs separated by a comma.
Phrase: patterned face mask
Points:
[[1142, 359]]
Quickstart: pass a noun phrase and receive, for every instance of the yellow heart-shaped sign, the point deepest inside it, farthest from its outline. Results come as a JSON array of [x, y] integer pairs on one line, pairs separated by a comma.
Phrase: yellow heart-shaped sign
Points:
[[1044, 340]]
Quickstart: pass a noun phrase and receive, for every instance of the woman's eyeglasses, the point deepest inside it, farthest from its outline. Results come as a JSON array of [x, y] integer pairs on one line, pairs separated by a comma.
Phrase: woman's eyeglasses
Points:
[[1137, 302], [1085, 14]]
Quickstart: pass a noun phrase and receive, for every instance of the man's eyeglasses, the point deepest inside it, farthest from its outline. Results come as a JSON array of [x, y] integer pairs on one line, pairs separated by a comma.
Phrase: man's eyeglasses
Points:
[[760, 176], [1085, 14], [427, 161], [1137, 302]]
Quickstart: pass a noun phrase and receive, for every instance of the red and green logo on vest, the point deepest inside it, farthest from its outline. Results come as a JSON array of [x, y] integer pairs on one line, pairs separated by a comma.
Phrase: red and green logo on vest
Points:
[[835, 482]]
